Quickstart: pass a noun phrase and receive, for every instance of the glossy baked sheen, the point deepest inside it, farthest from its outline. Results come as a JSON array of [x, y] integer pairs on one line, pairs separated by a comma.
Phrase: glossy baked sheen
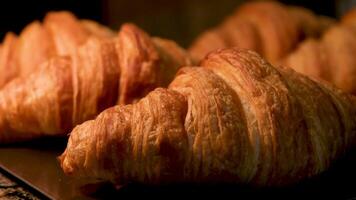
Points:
[[269, 28], [234, 119], [331, 58], [68, 90], [61, 33]]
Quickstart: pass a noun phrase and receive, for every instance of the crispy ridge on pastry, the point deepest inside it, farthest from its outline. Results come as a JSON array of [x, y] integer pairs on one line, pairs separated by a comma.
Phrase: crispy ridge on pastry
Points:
[[145, 63]]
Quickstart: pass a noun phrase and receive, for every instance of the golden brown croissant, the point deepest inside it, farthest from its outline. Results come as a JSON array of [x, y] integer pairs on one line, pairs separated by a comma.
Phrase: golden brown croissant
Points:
[[60, 34], [235, 119], [331, 58], [71, 89], [269, 28], [146, 63]]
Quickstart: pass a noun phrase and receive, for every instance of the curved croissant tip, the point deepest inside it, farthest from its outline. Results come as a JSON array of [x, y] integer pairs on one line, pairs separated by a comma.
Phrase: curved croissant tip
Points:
[[61, 158], [66, 164]]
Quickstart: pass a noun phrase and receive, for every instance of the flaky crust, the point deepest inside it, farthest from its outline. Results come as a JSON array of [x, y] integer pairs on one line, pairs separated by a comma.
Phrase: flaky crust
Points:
[[235, 119], [145, 63], [69, 90], [269, 28]]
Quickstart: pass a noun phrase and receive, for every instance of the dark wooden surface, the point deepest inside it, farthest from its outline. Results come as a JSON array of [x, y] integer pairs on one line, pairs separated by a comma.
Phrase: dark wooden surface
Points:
[[35, 164], [36, 169], [11, 189]]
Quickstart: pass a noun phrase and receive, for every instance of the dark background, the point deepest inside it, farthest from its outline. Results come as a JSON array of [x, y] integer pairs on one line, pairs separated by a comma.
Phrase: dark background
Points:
[[180, 20]]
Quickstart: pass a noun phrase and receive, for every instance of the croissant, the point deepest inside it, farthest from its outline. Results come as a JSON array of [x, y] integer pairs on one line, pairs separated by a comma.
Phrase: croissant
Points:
[[331, 58], [68, 90], [269, 28], [236, 119], [60, 34]]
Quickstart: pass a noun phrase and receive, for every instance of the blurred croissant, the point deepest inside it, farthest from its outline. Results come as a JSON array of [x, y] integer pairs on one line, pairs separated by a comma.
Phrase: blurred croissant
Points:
[[349, 18], [68, 90], [235, 119], [331, 58], [60, 34], [269, 28]]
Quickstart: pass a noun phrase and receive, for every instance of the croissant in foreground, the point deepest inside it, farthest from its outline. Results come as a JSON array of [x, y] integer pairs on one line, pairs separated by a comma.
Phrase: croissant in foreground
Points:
[[68, 90], [235, 119]]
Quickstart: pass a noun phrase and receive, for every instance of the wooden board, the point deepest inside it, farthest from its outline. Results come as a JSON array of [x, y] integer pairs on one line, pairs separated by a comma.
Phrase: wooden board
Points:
[[36, 165]]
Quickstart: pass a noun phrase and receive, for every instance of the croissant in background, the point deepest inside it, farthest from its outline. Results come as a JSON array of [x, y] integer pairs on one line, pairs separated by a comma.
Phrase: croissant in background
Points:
[[61, 33], [269, 28], [349, 18], [68, 90], [235, 119], [331, 58]]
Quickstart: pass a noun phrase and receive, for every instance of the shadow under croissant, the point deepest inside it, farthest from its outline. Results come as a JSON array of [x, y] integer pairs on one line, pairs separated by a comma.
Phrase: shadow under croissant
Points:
[[46, 143], [335, 183]]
